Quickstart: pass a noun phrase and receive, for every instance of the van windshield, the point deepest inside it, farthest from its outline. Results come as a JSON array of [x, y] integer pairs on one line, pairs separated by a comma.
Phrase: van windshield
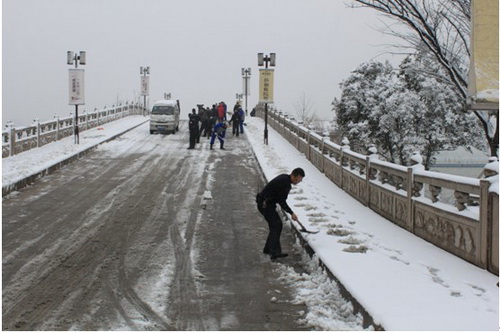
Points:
[[163, 109]]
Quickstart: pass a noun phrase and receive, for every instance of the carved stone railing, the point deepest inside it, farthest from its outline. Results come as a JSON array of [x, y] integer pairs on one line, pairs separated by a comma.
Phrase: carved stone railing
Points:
[[457, 214], [20, 139]]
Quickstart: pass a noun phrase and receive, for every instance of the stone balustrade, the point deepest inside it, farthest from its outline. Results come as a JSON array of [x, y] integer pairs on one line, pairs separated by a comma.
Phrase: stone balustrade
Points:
[[457, 214], [20, 139]]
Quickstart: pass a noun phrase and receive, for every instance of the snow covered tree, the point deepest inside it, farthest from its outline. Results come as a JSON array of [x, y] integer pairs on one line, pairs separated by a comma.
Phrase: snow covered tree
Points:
[[360, 94], [444, 123], [402, 111], [442, 28]]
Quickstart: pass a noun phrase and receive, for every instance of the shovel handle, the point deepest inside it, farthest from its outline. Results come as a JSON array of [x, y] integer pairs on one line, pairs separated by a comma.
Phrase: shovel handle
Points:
[[303, 228]]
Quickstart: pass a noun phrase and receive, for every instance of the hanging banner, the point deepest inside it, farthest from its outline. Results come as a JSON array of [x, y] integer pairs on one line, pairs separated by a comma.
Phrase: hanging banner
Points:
[[266, 85], [76, 86], [144, 85]]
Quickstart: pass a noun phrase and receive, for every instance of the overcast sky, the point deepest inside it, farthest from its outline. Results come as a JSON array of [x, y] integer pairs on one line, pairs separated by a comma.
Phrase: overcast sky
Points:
[[195, 50]]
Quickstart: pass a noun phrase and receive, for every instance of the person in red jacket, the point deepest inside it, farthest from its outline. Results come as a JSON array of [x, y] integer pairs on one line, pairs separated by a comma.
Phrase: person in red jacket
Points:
[[221, 112]]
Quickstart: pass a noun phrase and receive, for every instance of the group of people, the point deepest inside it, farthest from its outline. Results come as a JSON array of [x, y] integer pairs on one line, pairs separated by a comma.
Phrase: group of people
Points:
[[212, 123]]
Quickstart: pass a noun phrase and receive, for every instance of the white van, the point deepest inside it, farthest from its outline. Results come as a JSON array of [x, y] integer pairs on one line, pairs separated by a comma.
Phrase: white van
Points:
[[164, 117]]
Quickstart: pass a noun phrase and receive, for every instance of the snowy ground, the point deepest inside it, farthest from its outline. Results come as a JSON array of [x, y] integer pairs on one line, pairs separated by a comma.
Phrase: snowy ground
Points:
[[404, 282]]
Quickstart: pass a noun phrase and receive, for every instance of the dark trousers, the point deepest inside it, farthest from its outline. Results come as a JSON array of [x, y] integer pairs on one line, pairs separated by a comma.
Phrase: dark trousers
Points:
[[193, 136], [273, 245], [204, 129]]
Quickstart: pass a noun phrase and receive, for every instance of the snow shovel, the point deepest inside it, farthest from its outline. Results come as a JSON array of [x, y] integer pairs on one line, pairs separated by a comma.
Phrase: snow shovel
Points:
[[305, 230]]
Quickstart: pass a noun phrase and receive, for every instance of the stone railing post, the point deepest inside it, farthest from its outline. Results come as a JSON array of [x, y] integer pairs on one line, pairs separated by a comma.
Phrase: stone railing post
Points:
[[409, 199], [38, 134], [485, 225], [12, 141]]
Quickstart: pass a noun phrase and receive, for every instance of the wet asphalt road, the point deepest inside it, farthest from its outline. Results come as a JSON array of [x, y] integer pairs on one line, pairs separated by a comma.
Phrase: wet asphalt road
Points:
[[143, 234]]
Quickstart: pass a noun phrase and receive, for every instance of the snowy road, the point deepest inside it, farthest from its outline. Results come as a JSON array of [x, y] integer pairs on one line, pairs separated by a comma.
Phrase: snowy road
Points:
[[145, 235]]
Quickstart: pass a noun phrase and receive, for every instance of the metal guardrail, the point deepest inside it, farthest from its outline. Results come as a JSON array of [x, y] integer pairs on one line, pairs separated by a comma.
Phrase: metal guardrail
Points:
[[457, 214], [21, 139]]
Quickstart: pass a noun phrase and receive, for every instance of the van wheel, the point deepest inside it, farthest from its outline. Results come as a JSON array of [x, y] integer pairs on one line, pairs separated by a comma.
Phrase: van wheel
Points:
[[151, 132]]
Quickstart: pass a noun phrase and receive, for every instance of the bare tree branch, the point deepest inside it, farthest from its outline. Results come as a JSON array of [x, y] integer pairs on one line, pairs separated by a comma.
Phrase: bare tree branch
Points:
[[304, 110], [425, 19], [443, 27]]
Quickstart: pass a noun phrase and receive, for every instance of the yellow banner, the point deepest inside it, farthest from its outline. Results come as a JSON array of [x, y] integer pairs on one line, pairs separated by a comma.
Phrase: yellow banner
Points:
[[266, 84], [483, 74]]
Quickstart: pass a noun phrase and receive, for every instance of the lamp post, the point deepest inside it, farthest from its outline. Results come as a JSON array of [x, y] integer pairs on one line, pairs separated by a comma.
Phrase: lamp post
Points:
[[145, 83], [239, 97], [76, 85], [246, 72], [266, 84]]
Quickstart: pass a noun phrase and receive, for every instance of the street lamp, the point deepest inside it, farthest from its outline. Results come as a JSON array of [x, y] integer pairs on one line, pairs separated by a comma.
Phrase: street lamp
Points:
[[246, 72], [76, 85], [239, 97], [266, 82], [145, 83]]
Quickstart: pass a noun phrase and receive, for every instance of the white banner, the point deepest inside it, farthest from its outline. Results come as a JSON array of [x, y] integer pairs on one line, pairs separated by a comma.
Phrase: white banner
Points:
[[76, 86], [144, 85]]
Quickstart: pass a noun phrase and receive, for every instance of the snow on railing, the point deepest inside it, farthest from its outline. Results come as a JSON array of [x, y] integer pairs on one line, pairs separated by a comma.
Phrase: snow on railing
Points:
[[16, 140], [458, 214]]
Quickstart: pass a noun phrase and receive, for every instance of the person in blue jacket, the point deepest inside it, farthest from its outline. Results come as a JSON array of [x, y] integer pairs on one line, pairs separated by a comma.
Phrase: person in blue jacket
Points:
[[242, 119], [219, 131]]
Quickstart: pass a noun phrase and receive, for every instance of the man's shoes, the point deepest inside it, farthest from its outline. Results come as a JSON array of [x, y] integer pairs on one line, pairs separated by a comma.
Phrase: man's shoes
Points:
[[281, 255]]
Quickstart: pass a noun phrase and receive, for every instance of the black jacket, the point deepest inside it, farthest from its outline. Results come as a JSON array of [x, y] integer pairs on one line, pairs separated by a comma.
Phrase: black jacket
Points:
[[276, 192], [193, 123], [235, 119]]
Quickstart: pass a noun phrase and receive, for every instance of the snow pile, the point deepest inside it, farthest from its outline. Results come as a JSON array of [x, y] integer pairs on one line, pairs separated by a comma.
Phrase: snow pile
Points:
[[327, 310]]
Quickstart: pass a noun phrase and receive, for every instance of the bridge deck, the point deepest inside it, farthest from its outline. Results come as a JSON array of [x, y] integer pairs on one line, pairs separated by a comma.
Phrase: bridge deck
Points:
[[147, 235]]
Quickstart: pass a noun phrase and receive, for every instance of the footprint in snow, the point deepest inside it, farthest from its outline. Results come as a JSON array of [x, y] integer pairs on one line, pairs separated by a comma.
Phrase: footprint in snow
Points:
[[296, 191], [339, 232], [399, 260], [356, 249], [350, 241], [435, 276], [319, 219], [478, 291], [316, 214]]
